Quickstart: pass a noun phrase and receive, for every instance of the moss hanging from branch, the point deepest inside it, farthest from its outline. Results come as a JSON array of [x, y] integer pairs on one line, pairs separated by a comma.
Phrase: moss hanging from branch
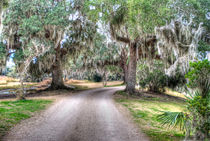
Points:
[[179, 41]]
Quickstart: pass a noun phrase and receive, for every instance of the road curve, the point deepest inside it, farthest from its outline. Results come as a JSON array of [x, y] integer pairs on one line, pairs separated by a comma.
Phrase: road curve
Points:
[[87, 116]]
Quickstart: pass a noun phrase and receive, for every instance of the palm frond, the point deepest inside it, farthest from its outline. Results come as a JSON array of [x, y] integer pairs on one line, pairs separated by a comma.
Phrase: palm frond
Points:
[[173, 119], [204, 92]]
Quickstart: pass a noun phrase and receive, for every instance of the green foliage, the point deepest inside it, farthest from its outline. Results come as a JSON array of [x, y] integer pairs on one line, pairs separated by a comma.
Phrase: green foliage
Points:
[[196, 120], [101, 56], [3, 4], [196, 9], [12, 72], [35, 23], [33, 16], [19, 56], [3, 57], [102, 52], [138, 16], [199, 107], [2, 50], [172, 119], [146, 14], [152, 78], [198, 102], [199, 74], [119, 17], [203, 48]]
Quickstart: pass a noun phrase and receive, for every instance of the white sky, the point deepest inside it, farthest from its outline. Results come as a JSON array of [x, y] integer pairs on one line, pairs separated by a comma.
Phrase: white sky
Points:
[[10, 63]]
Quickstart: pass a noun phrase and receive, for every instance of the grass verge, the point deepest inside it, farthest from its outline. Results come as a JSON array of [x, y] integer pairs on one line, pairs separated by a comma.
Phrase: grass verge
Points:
[[145, 110], [16, 86], [12, 112], [114, 85]]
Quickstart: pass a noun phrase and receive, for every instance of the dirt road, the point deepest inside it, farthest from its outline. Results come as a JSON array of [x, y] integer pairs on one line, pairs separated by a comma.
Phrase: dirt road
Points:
[[90, 115]]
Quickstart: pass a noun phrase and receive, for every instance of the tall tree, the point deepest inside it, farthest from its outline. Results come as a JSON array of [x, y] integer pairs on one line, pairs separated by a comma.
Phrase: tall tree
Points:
[[43, 21], [132, 22], [48, 23]]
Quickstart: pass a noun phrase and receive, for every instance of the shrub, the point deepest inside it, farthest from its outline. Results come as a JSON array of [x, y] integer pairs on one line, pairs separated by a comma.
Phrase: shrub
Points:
[[97, 77], [203, 48], [177, 82], [199, 75], [197, 118], [153, 78]]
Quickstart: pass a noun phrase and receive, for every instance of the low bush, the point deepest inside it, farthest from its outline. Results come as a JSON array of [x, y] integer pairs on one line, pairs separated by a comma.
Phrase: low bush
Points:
[[197, 119], [97, 77], [153, 78], [177, 82]]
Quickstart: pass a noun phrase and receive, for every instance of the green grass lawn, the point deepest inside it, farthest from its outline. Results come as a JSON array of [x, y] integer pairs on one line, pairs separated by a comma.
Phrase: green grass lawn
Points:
[[145, 111], [114, 85], [16, 86], [12, 112]]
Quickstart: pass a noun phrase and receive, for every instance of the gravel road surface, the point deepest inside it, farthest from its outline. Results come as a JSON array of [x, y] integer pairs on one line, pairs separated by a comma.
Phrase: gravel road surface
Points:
[[90, 115]]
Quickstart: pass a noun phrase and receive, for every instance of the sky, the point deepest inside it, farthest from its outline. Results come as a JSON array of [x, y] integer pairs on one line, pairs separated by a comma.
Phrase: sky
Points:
[[10, 63]]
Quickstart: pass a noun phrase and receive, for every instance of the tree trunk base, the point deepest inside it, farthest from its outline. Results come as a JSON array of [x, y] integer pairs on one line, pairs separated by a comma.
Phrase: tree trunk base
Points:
[[130, 92], [21, 97], [60, 87]]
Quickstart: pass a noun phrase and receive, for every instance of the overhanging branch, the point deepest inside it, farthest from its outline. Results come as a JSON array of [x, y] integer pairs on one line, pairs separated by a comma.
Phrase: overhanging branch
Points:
[[117, 37]]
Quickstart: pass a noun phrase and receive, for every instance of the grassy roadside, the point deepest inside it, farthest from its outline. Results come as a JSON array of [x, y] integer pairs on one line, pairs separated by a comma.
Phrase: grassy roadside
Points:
[[117, 85], [5, 87], [85, 84], [12, 112], [144, 111]]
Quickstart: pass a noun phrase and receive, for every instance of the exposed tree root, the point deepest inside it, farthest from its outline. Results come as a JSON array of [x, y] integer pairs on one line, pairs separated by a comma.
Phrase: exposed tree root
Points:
[[21, 97], [61, 87]]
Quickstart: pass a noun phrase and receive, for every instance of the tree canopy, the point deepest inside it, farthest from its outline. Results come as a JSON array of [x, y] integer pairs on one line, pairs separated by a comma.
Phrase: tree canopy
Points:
[[49, 37], [149, 43]]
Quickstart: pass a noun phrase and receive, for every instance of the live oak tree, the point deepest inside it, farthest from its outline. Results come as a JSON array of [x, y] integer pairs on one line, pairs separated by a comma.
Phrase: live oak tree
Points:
[[30, 23], [132, 22], [78, 37], [35, 23]]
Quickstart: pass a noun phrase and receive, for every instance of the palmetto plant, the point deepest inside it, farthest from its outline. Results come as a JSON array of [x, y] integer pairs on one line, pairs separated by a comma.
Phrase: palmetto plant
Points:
[[197, 117], [174, 119], [195, 120]]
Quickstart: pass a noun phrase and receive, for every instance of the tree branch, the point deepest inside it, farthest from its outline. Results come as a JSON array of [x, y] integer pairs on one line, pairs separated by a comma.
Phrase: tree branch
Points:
[[117, 37]]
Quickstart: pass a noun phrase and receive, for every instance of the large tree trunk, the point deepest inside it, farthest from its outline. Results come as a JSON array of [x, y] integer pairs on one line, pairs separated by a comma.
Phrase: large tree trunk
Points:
[[105, 79], [57, 73], [57, 76], [124, 65], [125, 71], [131, 81], [20, 93]]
